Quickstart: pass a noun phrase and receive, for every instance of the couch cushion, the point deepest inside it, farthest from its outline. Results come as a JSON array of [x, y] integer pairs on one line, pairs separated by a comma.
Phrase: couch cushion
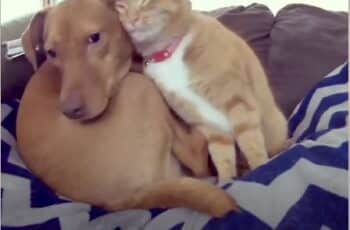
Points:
[[14, 76], [253, 23], [316, 170], [14, 73], [306, 43], [297, 48]]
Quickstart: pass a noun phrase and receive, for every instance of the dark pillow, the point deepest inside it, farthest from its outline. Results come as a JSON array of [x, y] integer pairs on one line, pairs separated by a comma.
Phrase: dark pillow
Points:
[[14, 76], [306, 43], [297, 47], [253, 23], [15, 73]]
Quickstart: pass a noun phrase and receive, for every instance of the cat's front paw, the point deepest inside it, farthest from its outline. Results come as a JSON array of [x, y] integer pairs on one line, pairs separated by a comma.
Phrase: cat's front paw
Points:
[[224, 159], [257, 161]]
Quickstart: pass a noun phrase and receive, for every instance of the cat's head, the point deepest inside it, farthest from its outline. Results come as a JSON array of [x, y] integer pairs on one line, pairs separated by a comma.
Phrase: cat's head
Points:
[[144, 20]]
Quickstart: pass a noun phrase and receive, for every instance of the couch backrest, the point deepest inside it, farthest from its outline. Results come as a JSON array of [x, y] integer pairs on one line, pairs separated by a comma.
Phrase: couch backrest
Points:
[[16, 73], [297, 47]]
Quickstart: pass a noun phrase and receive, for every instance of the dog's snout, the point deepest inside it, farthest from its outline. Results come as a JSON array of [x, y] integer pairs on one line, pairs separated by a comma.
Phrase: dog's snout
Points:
[[73, 107], [74, 113]]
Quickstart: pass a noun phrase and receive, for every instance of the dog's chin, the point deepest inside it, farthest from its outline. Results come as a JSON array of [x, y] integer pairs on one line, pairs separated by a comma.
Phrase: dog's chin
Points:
[[92, 117]]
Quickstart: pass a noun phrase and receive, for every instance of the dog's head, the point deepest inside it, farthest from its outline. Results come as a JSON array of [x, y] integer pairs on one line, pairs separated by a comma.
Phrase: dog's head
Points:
[[85, 41]]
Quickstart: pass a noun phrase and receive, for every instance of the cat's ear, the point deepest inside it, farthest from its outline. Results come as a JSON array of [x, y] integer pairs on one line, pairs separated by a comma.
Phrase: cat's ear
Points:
[[121, 6], [118, 5], [188, 4]]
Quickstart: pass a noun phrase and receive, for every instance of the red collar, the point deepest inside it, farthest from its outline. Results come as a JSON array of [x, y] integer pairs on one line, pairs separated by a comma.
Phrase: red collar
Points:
[[163, 54]]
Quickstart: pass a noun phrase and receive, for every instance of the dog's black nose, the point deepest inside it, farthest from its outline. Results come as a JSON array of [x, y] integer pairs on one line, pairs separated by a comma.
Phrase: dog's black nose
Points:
[[73, 108]]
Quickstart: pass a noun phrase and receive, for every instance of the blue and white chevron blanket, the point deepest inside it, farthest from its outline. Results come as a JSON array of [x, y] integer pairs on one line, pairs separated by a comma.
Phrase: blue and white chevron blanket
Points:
[[305, 187]]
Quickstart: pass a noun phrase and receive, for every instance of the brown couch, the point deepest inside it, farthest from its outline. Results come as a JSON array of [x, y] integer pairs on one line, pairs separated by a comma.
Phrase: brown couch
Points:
[[297, 47]]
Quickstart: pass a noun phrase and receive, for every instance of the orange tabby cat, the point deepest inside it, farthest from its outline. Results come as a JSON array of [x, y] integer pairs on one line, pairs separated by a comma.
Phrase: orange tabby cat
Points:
[[210, 77]]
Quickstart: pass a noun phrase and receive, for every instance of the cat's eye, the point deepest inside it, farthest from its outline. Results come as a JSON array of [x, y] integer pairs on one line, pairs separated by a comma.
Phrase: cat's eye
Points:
[[144, 2], [94, 38], [51, 53], [121, 6]]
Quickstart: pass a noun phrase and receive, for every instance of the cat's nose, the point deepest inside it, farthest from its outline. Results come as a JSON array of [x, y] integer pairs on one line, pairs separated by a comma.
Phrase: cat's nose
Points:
[[134, 19], [130, 26]]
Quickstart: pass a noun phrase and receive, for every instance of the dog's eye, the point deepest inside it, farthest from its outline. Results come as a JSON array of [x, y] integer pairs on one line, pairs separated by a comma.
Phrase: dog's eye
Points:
[[51, 53], [94, 38]]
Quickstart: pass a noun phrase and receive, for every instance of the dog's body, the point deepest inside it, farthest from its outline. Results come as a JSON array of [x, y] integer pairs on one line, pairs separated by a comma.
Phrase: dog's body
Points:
[[124, 159]]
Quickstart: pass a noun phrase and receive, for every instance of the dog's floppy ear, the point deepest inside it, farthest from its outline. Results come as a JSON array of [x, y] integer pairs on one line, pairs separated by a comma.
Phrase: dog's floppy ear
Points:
[[33, 41]]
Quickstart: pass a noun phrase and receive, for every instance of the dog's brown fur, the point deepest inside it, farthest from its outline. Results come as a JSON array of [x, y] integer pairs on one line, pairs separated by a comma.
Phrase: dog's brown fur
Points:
[[124, 159]]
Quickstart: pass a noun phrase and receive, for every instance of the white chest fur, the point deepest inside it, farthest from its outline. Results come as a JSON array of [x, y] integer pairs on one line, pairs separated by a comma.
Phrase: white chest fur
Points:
[[172, 75]]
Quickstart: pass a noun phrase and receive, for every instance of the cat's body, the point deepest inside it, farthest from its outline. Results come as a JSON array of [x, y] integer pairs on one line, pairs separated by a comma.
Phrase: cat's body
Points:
[[212, 79], [173, 77]]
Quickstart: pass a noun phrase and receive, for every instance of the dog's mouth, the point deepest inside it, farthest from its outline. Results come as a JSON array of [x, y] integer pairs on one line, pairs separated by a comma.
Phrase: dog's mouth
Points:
[[90, 114], [93, 117], [94, 107]]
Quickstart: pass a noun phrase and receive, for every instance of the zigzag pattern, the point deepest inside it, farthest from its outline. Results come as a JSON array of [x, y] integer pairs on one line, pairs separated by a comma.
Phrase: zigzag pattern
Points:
[[303, 188]]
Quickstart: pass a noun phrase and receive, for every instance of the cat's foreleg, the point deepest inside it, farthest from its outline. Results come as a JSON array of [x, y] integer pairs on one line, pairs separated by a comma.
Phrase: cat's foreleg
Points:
[[222, 152], [248, 134]]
